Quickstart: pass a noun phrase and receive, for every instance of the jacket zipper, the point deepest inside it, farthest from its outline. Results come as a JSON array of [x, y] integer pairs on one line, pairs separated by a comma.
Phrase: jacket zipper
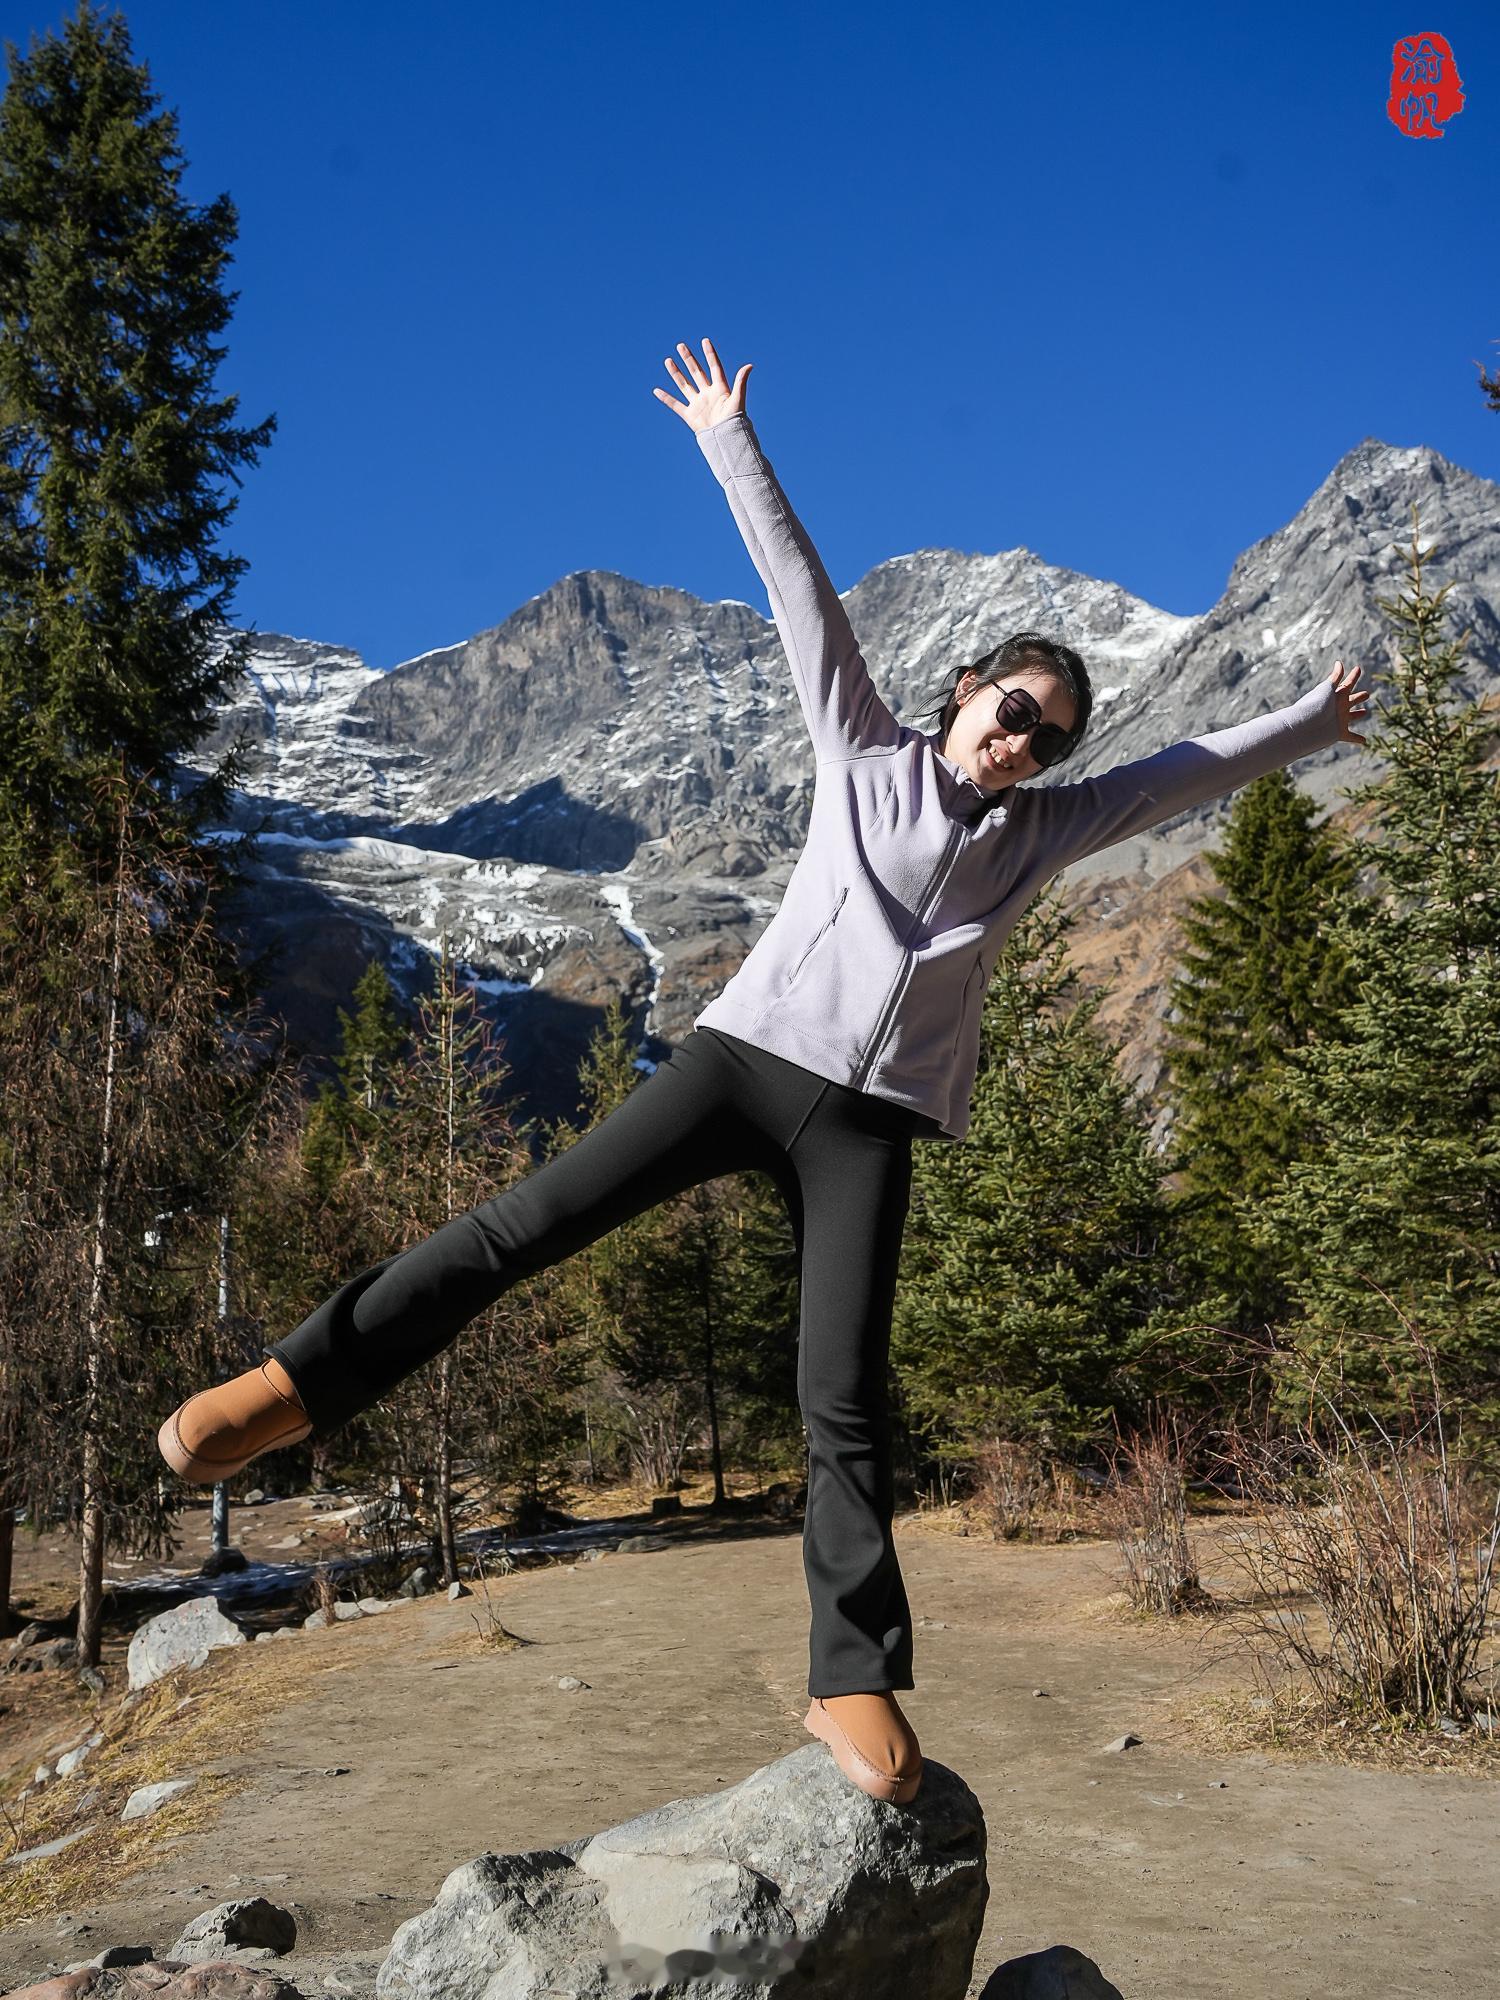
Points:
[[893, 999]]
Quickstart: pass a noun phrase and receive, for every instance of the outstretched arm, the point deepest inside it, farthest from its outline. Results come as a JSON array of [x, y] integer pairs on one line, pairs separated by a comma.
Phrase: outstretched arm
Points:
[[843, 711], [1080, 819]]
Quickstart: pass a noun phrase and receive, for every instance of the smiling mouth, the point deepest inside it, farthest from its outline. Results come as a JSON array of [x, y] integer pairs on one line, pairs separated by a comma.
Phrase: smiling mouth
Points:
[[994, 763]]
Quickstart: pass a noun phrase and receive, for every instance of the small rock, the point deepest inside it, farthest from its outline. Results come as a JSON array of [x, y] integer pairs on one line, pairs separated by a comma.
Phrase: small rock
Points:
[[45, 1653], [1218, 1784], [181, 1637], [315, 1621], [1058, 1973], [418, 1584], [92, 1679], [634, 1545], [253, 1498], [371, 1605], [457, 1590], [68, 1763], [41, 1774], [115, 1954], [47, 1847], [263, 1635], [149, 1798], [1038, 1693], [224, 1562], [1125, 1742], [346, 1611], [246, 1921], [570, 1683]]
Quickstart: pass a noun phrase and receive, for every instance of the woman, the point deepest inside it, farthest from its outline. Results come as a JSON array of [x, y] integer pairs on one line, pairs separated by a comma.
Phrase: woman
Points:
[[851, 1028]]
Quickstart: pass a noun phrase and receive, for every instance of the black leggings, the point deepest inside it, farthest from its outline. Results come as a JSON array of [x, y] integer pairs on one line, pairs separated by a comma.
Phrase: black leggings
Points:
[[842, 1160]]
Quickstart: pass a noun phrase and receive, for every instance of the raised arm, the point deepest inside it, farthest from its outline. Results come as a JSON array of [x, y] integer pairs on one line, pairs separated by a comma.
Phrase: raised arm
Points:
[[843, 710], [1079, 819]]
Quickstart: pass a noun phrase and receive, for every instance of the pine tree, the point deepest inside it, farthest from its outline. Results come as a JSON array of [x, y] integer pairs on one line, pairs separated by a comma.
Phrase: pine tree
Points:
[[446, 1144], [1037, 1280], [1256, 978], [1398, 1211], [114, 445], [125, 1095], [371, 1040]]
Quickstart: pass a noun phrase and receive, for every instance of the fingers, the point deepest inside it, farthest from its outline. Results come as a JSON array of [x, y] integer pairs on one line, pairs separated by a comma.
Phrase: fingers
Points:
[[692, 361]]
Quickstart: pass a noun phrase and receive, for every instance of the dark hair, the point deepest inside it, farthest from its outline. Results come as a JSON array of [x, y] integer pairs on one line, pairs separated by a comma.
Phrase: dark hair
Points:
[[1042, 655]]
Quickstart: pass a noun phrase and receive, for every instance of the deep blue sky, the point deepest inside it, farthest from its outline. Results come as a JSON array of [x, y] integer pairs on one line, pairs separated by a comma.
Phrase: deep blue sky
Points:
[[1120, 284]]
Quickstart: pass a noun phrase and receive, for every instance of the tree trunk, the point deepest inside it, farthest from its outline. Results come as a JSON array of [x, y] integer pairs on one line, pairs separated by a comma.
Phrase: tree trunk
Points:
[[445, 1470], [91, 1560], [7, 1545], [91, 1564], [710, 1387]]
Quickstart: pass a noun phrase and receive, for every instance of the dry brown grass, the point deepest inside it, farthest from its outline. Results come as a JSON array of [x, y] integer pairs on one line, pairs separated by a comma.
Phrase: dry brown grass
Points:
[[238, 1688], [1294, 1723]]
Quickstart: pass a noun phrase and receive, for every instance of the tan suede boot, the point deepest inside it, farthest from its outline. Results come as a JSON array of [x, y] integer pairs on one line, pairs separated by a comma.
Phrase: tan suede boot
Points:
[[872, 1742], [216, 1433]]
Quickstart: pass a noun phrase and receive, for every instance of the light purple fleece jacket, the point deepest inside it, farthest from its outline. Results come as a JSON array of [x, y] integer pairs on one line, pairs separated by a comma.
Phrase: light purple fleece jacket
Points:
[[873, 970]]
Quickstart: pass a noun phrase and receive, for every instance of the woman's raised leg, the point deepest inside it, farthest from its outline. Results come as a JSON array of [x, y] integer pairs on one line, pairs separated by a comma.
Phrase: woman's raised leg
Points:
[[676, 1128]]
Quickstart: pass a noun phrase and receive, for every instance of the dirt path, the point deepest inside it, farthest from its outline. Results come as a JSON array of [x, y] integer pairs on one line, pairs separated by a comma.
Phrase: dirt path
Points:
[[1304, 1879]]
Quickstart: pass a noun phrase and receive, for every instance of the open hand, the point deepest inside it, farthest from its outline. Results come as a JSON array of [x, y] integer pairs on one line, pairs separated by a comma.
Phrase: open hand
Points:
[[713, 399], [1354, 700]]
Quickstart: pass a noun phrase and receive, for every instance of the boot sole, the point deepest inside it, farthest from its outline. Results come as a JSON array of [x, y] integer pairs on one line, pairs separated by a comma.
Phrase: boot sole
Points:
[[200, 1471], [856, 1767]]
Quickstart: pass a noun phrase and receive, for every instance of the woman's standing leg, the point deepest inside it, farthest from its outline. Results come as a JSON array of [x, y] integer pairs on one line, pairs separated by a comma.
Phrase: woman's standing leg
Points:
[[678, 1127], [849, 1186]]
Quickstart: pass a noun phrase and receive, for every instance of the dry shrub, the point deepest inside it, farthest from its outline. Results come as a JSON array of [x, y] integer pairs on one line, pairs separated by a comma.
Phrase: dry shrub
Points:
[[1390, 1539], [322, 1591], [493, 1632], [1011, 1482], [1144, 1507]]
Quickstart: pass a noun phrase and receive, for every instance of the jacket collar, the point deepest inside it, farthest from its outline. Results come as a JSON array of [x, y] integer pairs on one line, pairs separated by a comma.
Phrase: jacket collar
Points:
[[971, 802]]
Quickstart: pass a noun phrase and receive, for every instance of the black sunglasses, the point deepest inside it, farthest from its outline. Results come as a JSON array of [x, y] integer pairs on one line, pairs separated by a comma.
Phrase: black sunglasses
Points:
[[1019, 715]]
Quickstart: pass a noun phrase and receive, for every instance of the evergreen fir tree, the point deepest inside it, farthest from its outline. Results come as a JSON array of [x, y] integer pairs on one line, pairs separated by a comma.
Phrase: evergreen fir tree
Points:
[[1037, 1284], [371, 1041], [113, 443], [1398, 1211], [1256, 978]]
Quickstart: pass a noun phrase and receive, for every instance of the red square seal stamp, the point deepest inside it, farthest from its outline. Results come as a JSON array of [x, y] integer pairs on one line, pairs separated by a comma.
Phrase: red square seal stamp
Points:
[[1426, 88]]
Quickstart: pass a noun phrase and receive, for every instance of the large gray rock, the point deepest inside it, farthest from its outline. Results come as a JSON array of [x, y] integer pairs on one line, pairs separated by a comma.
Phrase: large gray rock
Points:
[[181, 1637], [793, 1867]]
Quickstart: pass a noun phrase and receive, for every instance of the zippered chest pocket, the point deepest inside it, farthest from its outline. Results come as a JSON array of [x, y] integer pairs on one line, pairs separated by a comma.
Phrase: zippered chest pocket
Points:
[[971, 999], [818, 936]]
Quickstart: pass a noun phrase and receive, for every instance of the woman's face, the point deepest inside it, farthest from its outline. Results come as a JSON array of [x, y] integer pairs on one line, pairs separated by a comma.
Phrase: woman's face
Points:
[[996, 757]]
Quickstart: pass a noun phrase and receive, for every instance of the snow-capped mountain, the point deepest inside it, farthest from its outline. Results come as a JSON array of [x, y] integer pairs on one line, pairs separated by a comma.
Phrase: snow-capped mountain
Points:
[[606, 792]]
